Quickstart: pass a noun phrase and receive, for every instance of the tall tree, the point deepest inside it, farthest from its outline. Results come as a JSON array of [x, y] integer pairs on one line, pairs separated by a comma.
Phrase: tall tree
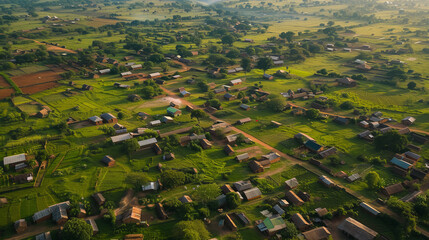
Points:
[[76, 229], [373, 180], [198, 114], [265, 64], [246, 64], [207, 192]]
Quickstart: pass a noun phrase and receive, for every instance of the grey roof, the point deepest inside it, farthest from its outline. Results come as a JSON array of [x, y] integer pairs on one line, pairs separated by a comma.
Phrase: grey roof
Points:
[[151, 186], [278, 209], [242, 185], [47, 211], [353, 177], [271, 156], [122, 137], [44, 236], [107, 116], [243, 156], [14, 159], [58, 213], [155, 74], [412, 155], [93, 224], [147, 142], [126, 73], [410, 119], [104, 70], [95, 119], [252, 193], [357, 229], [107, 159], [292, 183], [244, 106], [369, 208], [136, 66], [235, 81], [156, 122], [326, 180]]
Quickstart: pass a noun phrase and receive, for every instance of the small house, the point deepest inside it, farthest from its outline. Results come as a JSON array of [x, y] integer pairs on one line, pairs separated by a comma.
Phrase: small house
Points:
[[42, 113], [392, 189], [243, 121], [293, 198], [157, 149], [147, 143], [121, 137], [291, 183], [108, 118], [408, 121], [245, 107], [271, 225], [418, 174], [168, 156], [96, 120], [93, 226], [161, 211], [348, 82], [20, 226], [369, 208], [104, 71], [167, 119], [15, 159], [155, 75], [205, 144], [230, 223], [357, 230], [342, 121], [313, 146], [99, 198], [300, 223], [272, 157], [326, 181], [242, 157], [155, 123], [256, 166], [226, 188], [108, 161], [185, 199], [174, 112], [320, 233], [235, 82], [132, 215], [268, 76], [229, 150], [321, 212], [252, 193], [229, 97], [242, 185], [44, 236], [328, 152]]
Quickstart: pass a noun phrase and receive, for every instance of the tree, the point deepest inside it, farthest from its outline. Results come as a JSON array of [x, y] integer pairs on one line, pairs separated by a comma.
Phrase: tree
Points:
[[290, 231], [172, 178], [76, 229], [191, 230], [198, 114], [276, 104], [148, 92], [412, 85], [164, 66], [121, 115], [312, 113], [264, 64], [207, 192], [287, 35], [246, 64], [156, 58], [392, 141], [232, 200], [373, 180], [228, 39], [148, 65], [131, 145], [214, 103], [137, 179], [347, 105]]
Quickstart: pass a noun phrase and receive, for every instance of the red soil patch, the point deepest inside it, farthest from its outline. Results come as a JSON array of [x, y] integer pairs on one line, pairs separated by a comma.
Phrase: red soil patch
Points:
[[5, 93], [98, 22], [36, 78], [3, 82], [39, 87]]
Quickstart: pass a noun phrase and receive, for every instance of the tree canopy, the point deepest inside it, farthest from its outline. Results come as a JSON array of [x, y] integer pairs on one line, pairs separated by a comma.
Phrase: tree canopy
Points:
[[76, 229]]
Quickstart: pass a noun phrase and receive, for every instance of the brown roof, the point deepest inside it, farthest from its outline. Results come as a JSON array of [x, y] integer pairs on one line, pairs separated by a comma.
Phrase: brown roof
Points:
[[317, 234], [357, 229], [255, 166], [299, 221], [292, 197], [226, 189], [393, 189], [228, 149]]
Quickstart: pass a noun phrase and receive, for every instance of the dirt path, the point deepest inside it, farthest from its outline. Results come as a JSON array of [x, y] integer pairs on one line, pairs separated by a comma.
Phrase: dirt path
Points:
[[177, 131], [34, 230], [54, 48]]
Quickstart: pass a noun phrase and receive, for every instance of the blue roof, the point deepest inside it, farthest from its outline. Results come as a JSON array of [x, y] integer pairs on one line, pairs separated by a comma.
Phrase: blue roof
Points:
[[400, 163], [312, 145]]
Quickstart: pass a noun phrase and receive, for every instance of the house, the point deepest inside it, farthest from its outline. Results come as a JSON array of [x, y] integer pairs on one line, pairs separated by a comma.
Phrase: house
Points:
[[326, 181], [320, 233], [242, 185], [95, 120], [174, 112], [229, 223], [99, 198], [268, 76], [15, 159], [271, 225], [167, 119], [185, 199], [412, 156], [418, 174], [229, 97], [353, 177], [256, 166], [313, 146], [58, 213], [404, 131], [369, 208], [252, 193], [157, 149], [44, 236], [228, 150], [235, 82], [219, 90], [3, 202], [104, 71], [348, 82], [244, 120], [367, 135], [168, 156], [118, 126], [147, 143], [226, 188], [161, 211], [357, 230], [283, 203], [155, 75], [121, 138], [20, 226], [328, 152], [124, 74], [136, 66], [243, 218], [419, 138], [152, 186], [412, 196], [392, 189], [42, 113], [300, 223], [108, 118], [401, 163], [342, 121], [205, 144], [293, 198], [245, 107], [303, 137], [133, 237], [276, 124], [242, 157], [93, 226], [364, 124], [108, 161], [155, 123], [321, 212], [291, 183], [272, 157], [132, 215]]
